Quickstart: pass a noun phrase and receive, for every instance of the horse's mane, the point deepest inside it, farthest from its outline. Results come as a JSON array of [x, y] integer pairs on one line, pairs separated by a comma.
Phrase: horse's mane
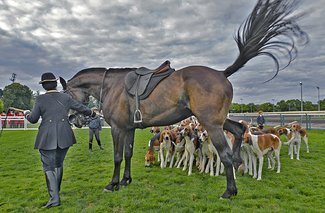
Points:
[[101, 70]]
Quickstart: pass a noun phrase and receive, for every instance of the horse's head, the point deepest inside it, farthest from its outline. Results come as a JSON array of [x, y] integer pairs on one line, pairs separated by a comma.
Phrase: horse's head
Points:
[[80, 95]]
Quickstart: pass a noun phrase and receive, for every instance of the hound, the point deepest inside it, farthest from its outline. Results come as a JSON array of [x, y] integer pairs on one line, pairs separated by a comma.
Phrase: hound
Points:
[[246, 153], [179, 147], [261, 145], [191, 146], [297, 134], [267, 130], [288, 133], [155, 130], [165, 141], [153, 146], [205, 153]]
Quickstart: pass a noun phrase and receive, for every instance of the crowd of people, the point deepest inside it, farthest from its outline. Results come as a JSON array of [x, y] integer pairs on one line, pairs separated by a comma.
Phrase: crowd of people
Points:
[[13, 120]]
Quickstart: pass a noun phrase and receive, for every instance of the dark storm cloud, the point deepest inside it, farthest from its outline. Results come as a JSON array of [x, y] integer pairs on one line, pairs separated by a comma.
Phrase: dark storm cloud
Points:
[[67, 36]]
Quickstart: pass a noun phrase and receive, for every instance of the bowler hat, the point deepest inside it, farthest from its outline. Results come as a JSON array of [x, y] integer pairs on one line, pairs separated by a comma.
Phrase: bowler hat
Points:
[[46, 77], [94, 108]]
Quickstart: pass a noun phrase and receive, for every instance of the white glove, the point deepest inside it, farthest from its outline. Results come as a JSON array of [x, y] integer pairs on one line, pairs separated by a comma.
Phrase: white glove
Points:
[[26, 113], [99, 115]]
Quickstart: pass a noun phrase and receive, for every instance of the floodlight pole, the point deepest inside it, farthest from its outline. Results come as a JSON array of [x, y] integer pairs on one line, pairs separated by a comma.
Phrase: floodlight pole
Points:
[[302, 108], [241, 100], [273, 104]]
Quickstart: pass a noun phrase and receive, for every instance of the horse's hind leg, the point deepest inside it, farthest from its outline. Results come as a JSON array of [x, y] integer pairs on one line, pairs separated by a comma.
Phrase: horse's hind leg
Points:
[[238, 130], [128, 141], [219, 141], [114, 185]]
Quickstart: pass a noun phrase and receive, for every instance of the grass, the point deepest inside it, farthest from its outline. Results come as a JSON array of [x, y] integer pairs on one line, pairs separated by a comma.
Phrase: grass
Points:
[[298, 188]]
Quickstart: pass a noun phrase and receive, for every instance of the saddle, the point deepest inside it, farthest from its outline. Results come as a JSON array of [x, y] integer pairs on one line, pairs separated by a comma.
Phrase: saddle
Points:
[[141, 82]]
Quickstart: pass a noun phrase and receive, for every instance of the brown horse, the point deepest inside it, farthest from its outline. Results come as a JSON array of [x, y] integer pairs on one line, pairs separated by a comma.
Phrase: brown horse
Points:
[[195, 90]]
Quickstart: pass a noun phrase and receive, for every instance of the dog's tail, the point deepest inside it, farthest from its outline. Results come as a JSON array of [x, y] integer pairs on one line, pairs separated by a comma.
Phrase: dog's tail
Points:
[[256, 36], [286, 143]]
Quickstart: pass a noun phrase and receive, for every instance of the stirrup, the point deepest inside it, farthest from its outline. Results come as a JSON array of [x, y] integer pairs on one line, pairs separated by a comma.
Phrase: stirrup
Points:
[[135, 116]]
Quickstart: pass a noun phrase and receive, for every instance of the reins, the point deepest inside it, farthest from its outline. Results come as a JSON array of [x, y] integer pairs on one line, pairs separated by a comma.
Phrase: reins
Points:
[[101, 90]]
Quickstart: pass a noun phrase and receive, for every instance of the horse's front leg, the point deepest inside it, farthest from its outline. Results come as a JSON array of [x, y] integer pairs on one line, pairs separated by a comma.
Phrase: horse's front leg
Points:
[[238, 130], [118, 143], [128, 141]]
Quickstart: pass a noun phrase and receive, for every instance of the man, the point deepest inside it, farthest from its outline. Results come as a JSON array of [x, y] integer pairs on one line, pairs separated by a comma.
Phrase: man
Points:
[[55, 135], [21, 121], [95, 127], [260, 120]]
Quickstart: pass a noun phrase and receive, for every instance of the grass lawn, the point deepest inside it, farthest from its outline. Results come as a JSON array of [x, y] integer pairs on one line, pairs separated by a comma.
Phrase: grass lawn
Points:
[[298, 188]]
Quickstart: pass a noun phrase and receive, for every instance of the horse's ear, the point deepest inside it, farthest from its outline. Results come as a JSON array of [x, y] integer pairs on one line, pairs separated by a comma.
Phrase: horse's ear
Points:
[[64, 83]]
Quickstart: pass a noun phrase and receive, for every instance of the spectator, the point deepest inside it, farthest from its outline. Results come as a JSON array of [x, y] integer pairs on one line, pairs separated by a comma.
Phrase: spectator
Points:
[[3, 117], [260, 120], [11, 122], [21, 120], [95, 127]]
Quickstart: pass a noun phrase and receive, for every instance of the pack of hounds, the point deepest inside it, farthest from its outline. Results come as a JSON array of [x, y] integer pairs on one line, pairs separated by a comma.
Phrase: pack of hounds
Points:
[[189, 141]]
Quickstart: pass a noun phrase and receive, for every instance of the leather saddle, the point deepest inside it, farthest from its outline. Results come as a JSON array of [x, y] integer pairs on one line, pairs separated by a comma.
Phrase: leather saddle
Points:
[[141, 82]]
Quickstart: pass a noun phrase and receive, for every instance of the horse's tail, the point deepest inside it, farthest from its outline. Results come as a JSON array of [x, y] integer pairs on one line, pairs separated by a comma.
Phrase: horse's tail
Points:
[[268, 20]]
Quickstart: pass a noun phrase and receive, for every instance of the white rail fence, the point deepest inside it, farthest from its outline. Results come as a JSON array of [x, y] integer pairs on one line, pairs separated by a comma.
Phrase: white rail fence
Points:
[[307, 119], [21, 123]]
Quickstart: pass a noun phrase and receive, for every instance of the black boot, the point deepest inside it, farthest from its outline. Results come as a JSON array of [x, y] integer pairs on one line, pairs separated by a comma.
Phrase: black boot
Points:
[[100, 146], [59, 173], [52, 187], [90, 146]]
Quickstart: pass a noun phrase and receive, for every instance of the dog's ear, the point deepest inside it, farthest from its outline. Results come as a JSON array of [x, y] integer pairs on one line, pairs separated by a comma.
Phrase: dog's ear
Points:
[[298, 128], [173, 135], [250, 141], [301, 131], [153, 159], [161, 138]]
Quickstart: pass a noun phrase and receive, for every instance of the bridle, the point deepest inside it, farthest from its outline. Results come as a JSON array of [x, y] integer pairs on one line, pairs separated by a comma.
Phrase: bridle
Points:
[[69, 92]]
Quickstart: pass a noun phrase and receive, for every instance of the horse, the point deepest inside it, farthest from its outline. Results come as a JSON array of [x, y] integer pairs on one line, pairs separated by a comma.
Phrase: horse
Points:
[[197, 91]]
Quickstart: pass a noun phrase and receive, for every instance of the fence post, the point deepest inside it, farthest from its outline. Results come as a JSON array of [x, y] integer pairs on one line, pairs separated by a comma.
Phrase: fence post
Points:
[[25, 123], [309, 121]]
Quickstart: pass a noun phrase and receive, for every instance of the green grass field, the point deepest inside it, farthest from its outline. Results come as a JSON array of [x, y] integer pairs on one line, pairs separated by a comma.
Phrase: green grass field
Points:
[[298, 188]]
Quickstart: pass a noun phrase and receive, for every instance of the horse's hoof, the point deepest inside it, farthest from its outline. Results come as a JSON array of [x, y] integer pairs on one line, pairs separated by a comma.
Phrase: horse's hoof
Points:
[[227, 195], [221, 198], [107, 191]]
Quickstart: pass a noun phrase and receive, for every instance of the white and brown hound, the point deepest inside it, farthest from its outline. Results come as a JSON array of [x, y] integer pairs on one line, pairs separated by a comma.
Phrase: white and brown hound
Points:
[[154, 145], [264, 145], [165, 140], [298, 133], [155, 130], [191, 146]]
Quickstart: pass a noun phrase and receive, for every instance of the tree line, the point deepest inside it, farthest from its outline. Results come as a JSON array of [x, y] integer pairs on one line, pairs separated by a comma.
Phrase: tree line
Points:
[[17, 96], [281, 106], [22, 97]]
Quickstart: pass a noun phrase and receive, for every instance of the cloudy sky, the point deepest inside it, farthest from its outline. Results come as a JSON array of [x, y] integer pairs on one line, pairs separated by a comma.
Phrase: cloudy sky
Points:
[[66, 36]]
